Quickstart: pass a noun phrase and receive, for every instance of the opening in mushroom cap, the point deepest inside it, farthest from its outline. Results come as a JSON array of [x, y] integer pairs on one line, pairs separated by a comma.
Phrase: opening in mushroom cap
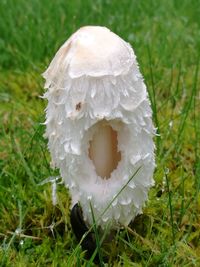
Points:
[[103, 150]]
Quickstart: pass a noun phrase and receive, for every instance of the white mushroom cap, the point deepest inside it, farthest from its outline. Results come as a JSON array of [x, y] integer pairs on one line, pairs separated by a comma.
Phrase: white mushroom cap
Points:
[[95, 88], [92, 51]]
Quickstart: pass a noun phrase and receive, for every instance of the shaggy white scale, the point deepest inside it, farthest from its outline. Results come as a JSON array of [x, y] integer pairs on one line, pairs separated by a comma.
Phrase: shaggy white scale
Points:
[[99, 125]]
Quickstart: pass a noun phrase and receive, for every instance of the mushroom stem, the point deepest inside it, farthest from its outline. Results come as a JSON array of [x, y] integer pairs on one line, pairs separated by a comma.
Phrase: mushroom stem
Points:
[[103, 151]]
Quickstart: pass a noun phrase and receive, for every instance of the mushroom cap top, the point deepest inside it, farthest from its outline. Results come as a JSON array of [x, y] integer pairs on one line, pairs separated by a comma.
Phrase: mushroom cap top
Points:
[[92, 51]]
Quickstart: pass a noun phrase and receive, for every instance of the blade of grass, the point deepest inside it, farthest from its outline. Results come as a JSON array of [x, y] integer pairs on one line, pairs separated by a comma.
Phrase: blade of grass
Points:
[[96, 237], [153, 101], [186, 109], [170, 207]]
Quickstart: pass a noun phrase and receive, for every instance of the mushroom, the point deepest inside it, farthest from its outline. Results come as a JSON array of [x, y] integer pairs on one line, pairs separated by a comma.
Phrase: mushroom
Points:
[[99, 126]]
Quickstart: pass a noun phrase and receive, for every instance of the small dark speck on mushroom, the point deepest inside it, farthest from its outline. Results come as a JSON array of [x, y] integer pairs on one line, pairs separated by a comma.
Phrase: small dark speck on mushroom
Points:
[[159, 193], [78, 106]]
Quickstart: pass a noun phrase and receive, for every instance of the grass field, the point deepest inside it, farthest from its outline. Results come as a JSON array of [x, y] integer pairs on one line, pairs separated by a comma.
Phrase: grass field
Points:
[[166, 39]]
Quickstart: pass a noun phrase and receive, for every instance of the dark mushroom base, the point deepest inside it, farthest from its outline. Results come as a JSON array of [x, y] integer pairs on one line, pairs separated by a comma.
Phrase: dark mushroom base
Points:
[[79, 228]]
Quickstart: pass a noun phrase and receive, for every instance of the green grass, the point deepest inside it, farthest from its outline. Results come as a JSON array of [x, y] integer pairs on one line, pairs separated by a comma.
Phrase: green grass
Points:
[[166, 39]]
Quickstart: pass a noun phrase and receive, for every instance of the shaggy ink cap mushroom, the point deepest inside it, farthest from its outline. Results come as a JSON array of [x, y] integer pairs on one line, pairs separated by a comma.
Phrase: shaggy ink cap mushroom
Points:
[[99, 125]]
